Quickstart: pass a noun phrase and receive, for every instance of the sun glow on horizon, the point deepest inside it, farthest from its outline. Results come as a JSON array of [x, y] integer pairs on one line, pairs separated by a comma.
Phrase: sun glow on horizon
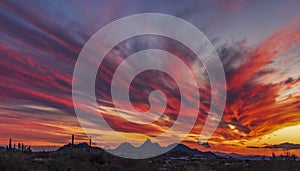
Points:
[[287, 134]]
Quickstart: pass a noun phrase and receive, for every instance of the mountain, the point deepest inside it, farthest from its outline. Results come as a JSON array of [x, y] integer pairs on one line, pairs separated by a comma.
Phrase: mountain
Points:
[[285, 145], [81, 146], [149, 149], [124, 148], [182, 150], [146, 150]]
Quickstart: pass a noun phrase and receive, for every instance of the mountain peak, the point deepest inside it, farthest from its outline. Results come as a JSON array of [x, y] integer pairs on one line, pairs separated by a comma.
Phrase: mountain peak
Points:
[[148, 141], [149, 145]]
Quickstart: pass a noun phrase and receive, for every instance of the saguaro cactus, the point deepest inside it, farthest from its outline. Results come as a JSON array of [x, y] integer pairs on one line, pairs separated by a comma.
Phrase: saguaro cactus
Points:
[[72, 139], [9, 145], [90, 141]]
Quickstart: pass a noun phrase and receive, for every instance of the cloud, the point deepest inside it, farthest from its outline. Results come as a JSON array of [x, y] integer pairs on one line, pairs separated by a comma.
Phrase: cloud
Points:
[[251, 105]]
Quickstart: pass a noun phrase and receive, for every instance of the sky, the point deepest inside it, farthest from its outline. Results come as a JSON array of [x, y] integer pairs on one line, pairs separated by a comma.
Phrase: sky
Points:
[[258, 44]]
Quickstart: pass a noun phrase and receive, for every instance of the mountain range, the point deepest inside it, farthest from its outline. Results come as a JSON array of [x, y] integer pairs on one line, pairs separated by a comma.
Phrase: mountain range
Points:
[[149, 149], [146, 150], [286, 146]]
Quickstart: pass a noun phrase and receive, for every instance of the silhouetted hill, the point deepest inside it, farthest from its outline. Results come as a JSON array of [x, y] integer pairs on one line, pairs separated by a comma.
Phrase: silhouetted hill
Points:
[[183, 150], [285, 145], [82, 147]]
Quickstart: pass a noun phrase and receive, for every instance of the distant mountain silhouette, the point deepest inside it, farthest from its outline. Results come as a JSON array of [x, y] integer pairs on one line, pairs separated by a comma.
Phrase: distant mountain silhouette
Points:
[[81, 146], [286, 145], [146, 150], [149, 149], [176, 151], [183, 150]]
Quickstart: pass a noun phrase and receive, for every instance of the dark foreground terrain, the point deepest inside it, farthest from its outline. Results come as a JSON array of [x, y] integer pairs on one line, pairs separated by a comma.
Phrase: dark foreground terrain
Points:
[[96, 159]]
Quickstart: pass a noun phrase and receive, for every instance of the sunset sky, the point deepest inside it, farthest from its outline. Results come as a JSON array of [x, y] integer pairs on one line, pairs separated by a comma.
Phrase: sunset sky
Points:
[[258, 43]]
